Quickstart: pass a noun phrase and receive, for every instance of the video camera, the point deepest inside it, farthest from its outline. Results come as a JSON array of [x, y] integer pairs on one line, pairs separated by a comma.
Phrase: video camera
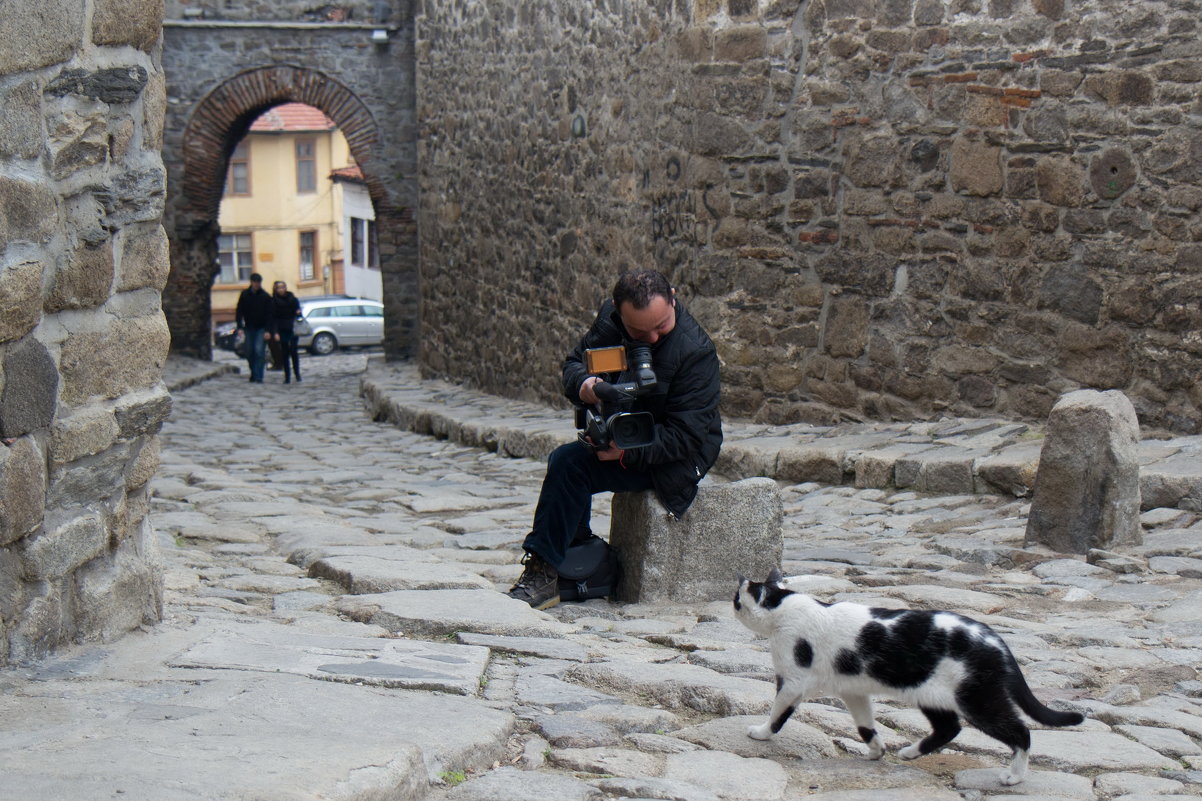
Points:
[[612, 421]]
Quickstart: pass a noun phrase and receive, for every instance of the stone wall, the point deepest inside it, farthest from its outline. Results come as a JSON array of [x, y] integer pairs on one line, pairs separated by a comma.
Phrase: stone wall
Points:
[[83, 259], [232, 62], [880, 209], [367, 11]]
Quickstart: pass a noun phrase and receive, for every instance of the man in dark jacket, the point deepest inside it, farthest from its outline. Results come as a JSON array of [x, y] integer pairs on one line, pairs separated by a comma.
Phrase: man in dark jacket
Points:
[[687, 431], [255, 315], [285, 310]]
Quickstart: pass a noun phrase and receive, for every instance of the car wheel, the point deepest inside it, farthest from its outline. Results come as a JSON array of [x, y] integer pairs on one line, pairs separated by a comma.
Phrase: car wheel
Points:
[[324, 344]]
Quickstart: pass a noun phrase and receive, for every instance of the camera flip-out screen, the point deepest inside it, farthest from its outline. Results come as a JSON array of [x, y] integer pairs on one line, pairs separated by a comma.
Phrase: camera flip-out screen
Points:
[[606, 360]]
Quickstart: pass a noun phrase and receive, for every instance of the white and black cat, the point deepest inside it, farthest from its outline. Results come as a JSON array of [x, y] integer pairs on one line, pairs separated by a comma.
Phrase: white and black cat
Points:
[[948, 665]]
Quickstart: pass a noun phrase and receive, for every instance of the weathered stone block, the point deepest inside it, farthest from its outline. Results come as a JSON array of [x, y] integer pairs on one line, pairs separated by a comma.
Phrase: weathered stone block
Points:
[[742, 43], [154, 111], [976, 168], [21, 123], [20, 299], [813, 463], [56, 553], [129, 356], [730, 528], [39, 34], [84, 433], [122, 591], [846, 333], [1122, 88], [29, 398], [84, 279], [1111, 173], [142, 467], [1087, 486], [88, 480], [1060, 182], [127, 22], [28, 212], [39, 627], [144, 260], [111, 85], [22, 489], [77, 141]]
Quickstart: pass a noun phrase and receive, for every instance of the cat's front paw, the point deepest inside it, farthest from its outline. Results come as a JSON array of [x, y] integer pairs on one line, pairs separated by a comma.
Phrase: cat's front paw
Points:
[[875, 749], [762, 732], [1010, 778], [911, 751]]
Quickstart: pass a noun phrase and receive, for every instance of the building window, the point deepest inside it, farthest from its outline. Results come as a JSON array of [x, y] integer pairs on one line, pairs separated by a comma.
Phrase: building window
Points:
[[365, 250], [237, 180], [358, 232], [306, 166], [308, 254], [235, 254]]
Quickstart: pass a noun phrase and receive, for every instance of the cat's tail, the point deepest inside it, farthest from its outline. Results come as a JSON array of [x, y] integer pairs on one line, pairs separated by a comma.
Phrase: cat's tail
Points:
[[1020, 691]]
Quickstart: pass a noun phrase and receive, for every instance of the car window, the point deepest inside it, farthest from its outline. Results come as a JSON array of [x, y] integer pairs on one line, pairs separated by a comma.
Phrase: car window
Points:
[[373, 311], [323, 311], [347, 311]]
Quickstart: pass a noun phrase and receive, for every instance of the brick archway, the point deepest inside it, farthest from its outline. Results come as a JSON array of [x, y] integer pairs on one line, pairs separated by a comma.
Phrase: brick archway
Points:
[[221, 75], [223, 117]]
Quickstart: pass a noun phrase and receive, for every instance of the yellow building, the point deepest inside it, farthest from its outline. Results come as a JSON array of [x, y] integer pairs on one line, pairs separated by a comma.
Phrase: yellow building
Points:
[[282, 214]]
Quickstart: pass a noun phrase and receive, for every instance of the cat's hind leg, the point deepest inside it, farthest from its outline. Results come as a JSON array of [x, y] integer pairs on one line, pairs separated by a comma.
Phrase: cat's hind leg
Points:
[[1003, 724], [945, 726], [788, 693], [860, 707]]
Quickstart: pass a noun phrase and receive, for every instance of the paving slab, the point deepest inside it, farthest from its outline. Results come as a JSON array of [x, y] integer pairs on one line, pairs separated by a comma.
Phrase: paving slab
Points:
[[679, 686], [408, 664], [730, 776], [796, 740], [236, 739], [362, 575], [441, 612]]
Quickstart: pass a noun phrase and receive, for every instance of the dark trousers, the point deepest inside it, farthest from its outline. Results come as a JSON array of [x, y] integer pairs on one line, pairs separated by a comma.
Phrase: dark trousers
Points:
[[256, 353], [565, 503], [289, 356]]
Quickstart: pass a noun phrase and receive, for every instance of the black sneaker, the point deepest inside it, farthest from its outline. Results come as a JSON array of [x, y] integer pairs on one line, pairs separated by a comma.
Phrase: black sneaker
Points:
[[539, 584]]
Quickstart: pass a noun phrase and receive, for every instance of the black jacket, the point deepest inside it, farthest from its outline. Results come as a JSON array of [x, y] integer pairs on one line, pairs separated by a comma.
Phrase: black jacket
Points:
[[255, 310], [684, 403], [284, 310]]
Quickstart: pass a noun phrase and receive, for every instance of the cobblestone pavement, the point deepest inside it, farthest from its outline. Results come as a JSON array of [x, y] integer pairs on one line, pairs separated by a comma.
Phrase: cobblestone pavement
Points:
[[334, 547]]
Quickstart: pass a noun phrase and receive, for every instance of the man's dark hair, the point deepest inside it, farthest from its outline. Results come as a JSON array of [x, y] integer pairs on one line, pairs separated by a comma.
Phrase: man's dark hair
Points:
[[638, 287]]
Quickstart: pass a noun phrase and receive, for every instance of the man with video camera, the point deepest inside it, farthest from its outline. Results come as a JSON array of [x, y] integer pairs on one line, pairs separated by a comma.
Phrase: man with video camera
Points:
[[678, 390]]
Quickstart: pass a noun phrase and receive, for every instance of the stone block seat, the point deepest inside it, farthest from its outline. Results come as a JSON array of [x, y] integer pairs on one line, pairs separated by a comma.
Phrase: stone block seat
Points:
[[731, 528]]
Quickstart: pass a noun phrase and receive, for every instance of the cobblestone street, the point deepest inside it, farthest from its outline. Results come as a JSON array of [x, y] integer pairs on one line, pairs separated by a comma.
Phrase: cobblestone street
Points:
[[302, 542]]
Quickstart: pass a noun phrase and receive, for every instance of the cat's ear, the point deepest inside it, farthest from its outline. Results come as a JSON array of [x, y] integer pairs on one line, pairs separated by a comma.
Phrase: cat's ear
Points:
[[741, 579], [775, 577]]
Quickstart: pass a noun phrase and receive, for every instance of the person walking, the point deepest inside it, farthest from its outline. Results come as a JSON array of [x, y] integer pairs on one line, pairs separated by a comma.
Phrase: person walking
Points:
[[286, 310], [255, 317]]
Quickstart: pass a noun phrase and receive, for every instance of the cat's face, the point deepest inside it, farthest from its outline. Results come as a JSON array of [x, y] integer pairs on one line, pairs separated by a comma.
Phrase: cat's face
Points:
[[750, 598]]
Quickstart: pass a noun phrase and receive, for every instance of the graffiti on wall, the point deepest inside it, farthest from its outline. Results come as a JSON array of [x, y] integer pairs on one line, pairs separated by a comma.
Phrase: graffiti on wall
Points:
[[679, 214]]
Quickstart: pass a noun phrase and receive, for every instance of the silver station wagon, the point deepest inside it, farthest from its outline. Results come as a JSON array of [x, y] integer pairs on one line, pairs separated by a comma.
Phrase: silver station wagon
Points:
[[333, 323]]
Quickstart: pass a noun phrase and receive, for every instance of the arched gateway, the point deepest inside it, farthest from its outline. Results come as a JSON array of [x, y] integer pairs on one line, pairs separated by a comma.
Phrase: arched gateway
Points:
[[367, 90]]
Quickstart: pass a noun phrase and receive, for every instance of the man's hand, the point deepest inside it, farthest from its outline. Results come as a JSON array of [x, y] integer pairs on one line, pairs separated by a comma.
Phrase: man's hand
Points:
[[611, 454], [587, 395]]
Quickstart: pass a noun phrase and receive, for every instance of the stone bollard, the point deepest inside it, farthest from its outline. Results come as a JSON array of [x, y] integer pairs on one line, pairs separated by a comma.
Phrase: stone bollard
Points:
[[1087, 486], [730, 529]]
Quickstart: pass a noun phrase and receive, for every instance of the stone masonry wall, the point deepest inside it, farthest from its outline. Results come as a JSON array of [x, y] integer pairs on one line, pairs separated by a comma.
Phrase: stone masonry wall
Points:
[[880, 209], [83, 259]]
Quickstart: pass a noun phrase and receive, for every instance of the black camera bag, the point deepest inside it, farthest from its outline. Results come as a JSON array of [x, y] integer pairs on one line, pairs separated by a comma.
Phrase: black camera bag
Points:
[[590, 569]]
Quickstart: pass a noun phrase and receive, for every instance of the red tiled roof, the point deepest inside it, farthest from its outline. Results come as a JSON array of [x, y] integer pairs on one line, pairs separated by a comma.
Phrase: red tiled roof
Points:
[[351, 173], [292, 117]]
